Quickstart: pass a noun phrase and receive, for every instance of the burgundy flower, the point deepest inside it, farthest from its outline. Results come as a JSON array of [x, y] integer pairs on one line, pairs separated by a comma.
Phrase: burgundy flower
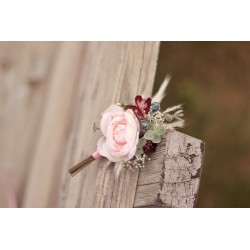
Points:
[[149, 147], [142, 106]]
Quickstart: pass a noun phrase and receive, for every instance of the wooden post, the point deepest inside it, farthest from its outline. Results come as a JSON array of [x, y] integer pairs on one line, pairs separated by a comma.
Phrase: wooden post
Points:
[[111, 72], [172, 177], [85, 79]]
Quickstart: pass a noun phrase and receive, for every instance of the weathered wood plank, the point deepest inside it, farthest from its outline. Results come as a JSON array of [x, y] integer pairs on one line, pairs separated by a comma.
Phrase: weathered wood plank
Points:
[[172, 177], [110, 72], [24, 70], [48, 154]]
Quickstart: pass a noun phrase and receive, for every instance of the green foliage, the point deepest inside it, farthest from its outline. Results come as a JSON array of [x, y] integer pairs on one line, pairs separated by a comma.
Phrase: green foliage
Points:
[[149, 135], [95, 127], [168, 118], [140, 145], [155, 134], [159, 130], [156, 139]]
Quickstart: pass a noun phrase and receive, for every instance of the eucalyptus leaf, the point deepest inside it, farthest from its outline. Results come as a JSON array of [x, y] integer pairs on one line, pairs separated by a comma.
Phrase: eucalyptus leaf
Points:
[[156, 139], [159, 130], [141, 142], [139, 151], [94, 127], [168, 117], [140, 145], [150, 126], [149, 135]]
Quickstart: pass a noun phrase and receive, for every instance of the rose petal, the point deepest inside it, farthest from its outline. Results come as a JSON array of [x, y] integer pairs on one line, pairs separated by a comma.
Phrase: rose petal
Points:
[[101, 146], [121, 134], [107, 117]]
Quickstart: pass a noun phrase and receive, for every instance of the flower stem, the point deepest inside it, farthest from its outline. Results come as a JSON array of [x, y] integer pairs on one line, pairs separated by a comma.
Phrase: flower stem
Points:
[[79, 166]]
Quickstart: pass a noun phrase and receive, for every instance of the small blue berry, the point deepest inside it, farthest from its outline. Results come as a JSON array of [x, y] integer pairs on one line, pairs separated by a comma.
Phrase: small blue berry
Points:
[[144, 125], [155, 106]]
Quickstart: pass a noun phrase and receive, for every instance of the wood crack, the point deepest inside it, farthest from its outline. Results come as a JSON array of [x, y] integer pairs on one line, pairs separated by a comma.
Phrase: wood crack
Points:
[[178, 174]]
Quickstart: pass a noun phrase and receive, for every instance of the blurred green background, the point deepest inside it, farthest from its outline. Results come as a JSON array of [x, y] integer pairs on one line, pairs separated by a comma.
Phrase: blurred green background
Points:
[[212, 80]]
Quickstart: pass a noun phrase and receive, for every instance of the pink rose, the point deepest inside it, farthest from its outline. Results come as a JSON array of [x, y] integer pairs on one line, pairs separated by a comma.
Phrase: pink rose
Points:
[[120, 131]]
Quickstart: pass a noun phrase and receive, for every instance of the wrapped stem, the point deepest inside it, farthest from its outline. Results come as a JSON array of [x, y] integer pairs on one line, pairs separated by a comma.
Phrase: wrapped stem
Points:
[[79, 166]]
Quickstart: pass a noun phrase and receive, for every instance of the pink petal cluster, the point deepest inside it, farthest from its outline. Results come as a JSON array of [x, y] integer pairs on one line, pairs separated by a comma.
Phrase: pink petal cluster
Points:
[[120, 131]]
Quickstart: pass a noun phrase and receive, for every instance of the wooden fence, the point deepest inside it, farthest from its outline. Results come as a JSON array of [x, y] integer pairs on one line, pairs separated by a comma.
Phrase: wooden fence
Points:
[[51, 93]]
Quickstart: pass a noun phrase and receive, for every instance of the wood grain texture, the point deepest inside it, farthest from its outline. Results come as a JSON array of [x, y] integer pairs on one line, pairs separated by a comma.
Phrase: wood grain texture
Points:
[[172, 177], [51, 93], [44, 176], [110, 72], [25, 68]]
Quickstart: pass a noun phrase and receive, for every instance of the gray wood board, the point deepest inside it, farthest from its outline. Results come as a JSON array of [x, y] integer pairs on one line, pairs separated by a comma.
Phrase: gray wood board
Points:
[[172, 177]]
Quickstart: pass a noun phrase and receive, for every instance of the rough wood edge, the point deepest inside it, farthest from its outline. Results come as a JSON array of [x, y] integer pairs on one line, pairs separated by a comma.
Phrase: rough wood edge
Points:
[[164, 183]]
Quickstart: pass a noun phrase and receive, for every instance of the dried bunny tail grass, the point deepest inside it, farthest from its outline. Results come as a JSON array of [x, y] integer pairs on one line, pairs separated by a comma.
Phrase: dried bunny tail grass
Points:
[[118, 169], [162, 90], [173, 108], [176, 124]]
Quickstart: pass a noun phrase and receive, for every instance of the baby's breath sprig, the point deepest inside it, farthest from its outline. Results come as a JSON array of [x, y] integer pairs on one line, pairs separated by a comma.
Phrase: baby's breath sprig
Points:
[[138, 161]]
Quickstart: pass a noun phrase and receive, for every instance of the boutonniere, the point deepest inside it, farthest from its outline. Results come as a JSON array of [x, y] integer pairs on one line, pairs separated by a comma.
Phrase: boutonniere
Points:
[[131, 131]]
